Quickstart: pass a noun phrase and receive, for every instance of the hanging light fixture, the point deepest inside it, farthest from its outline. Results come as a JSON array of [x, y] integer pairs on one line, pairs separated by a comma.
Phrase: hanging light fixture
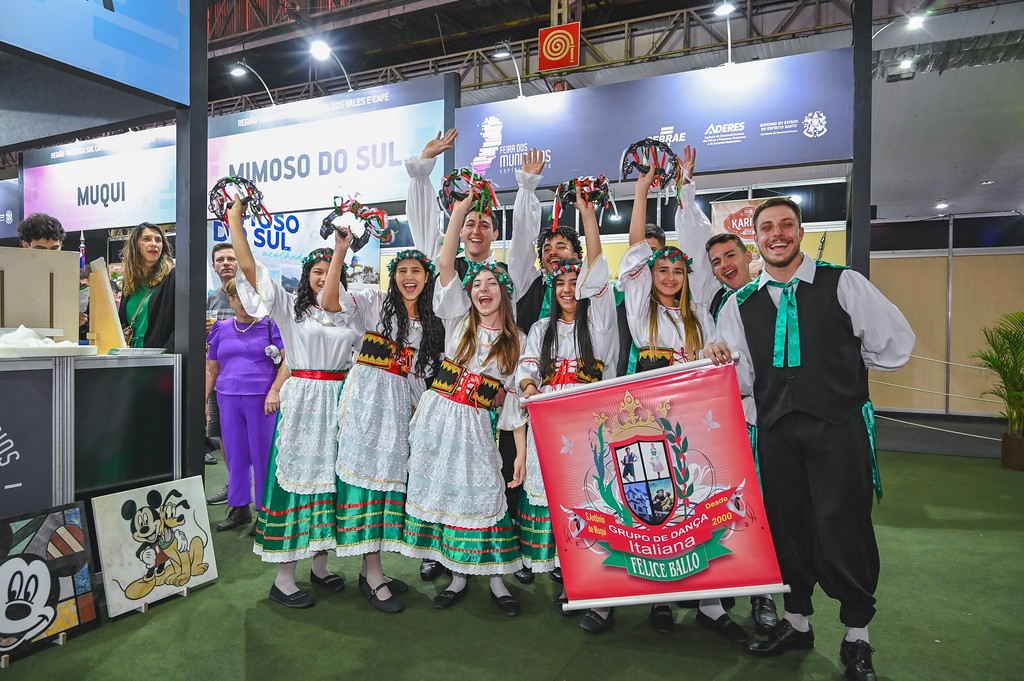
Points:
[[241, 67], [321, 51]]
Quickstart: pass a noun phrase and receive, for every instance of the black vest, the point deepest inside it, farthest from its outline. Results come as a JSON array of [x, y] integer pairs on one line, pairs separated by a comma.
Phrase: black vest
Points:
[[831, 382], [716, 303], [528, 307]]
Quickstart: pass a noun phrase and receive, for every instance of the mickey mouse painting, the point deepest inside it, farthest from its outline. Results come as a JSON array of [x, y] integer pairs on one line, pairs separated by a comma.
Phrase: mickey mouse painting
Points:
[[27, 599]]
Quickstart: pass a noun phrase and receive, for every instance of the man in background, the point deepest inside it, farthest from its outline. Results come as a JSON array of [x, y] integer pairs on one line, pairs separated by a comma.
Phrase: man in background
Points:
[[42, 232], [225, 265]]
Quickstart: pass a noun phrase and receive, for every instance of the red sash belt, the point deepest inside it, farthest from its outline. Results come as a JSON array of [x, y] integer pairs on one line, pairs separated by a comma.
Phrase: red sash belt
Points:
[[320, 375], [564, 375]]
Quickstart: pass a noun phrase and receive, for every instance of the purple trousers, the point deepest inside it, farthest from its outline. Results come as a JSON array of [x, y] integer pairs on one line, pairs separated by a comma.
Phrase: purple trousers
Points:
[[247, 434]]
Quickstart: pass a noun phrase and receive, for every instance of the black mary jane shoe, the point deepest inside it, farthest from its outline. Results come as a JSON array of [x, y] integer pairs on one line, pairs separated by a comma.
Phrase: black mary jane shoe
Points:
[[391, 605], [783, 638], [507, 604], [448, 598], [595, 624], [524, 575], [395, 586], [856, 657], [299, 599], [661, 619], [331, 582], [724, 626], [556, 575]]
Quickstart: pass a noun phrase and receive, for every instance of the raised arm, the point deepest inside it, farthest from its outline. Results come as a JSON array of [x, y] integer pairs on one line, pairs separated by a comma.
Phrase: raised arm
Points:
[[522, 256], [638, 221], [694, 230], [421, 200], [588, 214], [243, 254], [450, 247], [331, 298]]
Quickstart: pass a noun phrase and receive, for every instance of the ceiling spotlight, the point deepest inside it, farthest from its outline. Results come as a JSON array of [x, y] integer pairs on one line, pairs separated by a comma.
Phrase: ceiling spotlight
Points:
[[915, 21], [320, 50], [797, 199], [238, 70], [907, 64], [241, 68], [941, 205], [985, 183], [724, 8], [502, 50]]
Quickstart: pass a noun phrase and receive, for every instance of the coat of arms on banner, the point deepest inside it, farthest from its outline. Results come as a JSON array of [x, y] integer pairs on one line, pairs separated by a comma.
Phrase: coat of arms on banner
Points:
[[665, 499], [154, 542]]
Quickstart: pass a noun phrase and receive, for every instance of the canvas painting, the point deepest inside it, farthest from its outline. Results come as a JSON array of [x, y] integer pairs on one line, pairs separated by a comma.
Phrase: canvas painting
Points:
[[46, 578], [154, 542]]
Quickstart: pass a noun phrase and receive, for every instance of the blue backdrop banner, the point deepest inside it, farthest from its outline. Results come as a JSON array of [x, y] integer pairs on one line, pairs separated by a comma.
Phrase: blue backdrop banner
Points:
[[778, 112]]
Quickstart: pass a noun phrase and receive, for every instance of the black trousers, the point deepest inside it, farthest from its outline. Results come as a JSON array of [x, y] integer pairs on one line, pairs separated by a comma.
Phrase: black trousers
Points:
[[818, 497], [507, 448]]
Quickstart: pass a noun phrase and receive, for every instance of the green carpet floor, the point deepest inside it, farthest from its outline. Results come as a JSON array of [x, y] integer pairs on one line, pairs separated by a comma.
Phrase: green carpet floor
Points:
[[952, 547]]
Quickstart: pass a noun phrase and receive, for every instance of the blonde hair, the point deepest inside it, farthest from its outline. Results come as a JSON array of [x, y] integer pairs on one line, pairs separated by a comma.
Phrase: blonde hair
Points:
[[231, 288], [505, 349], [692, 332], [136, 273]]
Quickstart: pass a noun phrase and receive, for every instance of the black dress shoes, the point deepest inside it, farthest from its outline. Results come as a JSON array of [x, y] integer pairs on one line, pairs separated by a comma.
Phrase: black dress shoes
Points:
[[524, 575], [661, 619], [856, 657], [556, 575], [390, 605], [448, 598], [595, 624], [782, 639], [507, 604], [431, 570], [237, 516], [559, 602], [299, 599], [723, 626], [331, 582], [763, 613], [395, 586]]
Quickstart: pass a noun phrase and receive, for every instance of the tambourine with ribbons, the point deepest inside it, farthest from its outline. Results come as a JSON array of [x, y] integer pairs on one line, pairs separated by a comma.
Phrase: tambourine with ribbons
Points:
[[593, 190], [642, 155], [252, 199], [461, 183], [375, 222]]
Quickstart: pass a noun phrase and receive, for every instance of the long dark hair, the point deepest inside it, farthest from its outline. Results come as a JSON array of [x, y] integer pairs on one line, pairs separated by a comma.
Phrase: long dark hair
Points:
[[393, 311], [582, 331], [304, 296]]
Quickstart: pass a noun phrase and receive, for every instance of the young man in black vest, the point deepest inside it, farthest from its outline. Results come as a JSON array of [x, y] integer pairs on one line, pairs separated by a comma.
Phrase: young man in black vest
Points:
[[806, 333]]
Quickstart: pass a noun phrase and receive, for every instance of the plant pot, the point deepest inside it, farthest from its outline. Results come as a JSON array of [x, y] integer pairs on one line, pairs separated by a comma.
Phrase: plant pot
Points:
[[1013, 452]]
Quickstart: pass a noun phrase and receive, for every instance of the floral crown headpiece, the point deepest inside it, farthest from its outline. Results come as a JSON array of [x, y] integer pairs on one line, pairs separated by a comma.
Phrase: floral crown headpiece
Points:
[[413, 254], [564, 267], [494, 268], [324, 254], [672, 254]]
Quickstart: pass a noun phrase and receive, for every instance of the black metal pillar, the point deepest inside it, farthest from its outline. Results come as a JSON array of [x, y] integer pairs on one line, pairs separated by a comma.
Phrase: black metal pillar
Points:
[[858, 214], [190, 239]]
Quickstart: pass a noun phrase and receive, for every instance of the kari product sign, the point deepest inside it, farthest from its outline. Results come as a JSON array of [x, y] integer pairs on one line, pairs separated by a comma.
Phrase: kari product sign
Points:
[[652, 489], [303, 154], [141, 44], [775, 112], [281, 245], [559, 47], [10, 207], [737, 217], [46, 580], [154, 542], [106, 182]]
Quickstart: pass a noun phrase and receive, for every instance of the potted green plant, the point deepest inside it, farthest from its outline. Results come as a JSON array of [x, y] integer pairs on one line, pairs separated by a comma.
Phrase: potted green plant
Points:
[[1003, 353]]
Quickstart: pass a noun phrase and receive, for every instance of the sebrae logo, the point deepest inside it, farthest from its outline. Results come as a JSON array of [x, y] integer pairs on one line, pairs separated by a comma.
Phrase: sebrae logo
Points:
[[669, 135], [815, 124]]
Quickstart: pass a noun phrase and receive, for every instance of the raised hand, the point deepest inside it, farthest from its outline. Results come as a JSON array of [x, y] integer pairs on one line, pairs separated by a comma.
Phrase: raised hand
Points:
[[686, 165], [533, 162], [440, 144], [645, 181], [586, 208], [342, 239]]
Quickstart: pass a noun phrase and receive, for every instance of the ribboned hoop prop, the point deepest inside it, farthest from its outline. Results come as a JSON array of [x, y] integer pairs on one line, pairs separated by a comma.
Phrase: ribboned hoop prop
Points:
[[461, 183], [593, 190], [375, 222], [641, 155], [252, 199]]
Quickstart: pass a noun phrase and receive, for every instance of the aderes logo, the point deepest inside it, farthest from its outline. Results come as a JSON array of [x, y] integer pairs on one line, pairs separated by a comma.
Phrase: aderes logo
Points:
[[669, 135], [719, 128]]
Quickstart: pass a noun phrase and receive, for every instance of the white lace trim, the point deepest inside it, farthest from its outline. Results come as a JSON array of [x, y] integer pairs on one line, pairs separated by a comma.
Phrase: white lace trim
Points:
[[463, 568], [294, 555]]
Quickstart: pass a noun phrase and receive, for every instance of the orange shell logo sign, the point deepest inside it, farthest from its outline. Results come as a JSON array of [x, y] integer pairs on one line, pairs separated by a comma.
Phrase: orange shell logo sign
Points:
[[559, 47], [741, 223]]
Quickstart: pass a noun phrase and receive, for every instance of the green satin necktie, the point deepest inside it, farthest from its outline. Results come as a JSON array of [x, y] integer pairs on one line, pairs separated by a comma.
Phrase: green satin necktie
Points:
[[787, 327]]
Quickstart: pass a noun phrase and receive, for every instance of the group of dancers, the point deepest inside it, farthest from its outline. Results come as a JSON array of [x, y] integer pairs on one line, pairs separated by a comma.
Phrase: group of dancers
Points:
[[401, 428]]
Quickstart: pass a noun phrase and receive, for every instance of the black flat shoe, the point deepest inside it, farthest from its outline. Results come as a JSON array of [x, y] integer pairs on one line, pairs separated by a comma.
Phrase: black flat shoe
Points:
[[763, 613], [559, 602], [507, 604], [783, 638], [724, 626], [299, 599], [390, 605], [431, 570], [447, 598], [524, 575], [595, 624], [661, 619], [331, 582], [395, 586], [556, 575], [856, 657]]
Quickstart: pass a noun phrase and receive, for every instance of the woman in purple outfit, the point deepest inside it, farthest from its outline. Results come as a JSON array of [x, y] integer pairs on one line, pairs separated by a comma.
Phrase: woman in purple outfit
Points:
[[245, 362]]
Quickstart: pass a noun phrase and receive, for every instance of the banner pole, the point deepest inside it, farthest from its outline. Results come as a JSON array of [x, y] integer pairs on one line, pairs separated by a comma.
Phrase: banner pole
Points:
[[756, 590]]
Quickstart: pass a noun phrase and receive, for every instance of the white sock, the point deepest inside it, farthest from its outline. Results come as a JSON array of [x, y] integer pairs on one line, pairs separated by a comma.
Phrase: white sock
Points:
[[285, 581], [601, 612], [320, 568], [799, 622], [458, 582], [712, 608], [498, 587], [857, 634]]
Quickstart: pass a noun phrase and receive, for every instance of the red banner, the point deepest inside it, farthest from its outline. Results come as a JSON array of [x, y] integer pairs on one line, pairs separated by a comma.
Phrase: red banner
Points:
[[559, 47], [652, 488]]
